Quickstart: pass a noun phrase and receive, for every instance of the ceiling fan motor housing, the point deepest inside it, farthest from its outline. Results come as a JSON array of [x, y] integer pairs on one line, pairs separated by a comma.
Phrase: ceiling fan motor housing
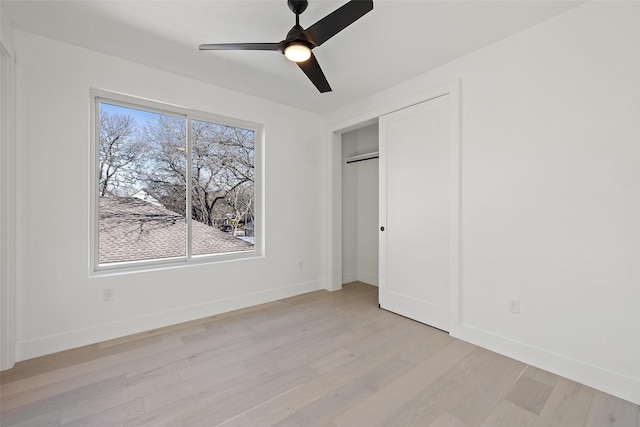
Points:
[[294, 33], [297, 6]]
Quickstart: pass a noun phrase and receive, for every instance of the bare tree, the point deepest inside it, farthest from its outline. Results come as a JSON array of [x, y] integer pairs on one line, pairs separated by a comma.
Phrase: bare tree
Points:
[[222, 171], [120, 154], [240, 202], [222, 162]]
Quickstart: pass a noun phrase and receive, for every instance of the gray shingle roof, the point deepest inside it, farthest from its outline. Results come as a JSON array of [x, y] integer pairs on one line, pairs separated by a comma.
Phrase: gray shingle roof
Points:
[[133, 229]]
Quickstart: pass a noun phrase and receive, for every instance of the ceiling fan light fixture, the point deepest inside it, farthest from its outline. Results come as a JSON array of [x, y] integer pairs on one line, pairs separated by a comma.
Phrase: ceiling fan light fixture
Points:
[[297, 52]]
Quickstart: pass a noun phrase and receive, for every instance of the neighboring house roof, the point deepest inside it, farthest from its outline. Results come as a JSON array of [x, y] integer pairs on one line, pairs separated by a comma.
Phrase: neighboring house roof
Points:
[[133, 229], [143, 195]]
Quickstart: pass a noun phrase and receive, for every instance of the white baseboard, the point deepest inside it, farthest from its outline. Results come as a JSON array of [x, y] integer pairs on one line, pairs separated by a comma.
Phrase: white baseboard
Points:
[[601, 379], [349, 277], [369, 279], [100, 333]]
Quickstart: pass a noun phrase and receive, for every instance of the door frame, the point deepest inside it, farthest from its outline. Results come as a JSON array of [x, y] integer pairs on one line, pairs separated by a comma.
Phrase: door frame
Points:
[[334, 256], [7, 210]]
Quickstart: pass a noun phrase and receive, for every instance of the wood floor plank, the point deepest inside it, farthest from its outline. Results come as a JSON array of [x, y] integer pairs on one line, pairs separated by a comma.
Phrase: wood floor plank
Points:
[[217, 405], [382, 406], [114, 416], [529, 394], [318, 359], [321, 411], [489, 386], [364, 363], [450, 386], [179, 394], [107, 366], [337, 400], [242, 420], [91, 353], [48, 419], [69, 379], [507, 414], [60, 401], [541, 376], [134, 391], [332, 361], [198, 353], [610, 411], [568, 405], [447, 420]]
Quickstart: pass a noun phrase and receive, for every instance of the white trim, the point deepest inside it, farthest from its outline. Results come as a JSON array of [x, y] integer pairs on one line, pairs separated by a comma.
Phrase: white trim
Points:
[[369, 279], [455, 206], [93, 136], [371, 117], [8, 212], [592, 376], [334, 247], [349, 277], [98, 96], [259, 220], [334, 272], [104, 332]]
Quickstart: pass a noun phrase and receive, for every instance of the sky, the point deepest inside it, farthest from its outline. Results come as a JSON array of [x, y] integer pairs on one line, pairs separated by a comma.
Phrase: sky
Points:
[[141, 117]]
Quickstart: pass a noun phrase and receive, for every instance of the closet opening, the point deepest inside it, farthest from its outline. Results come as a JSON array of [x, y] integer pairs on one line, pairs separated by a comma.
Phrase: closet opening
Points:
[[359, 162]]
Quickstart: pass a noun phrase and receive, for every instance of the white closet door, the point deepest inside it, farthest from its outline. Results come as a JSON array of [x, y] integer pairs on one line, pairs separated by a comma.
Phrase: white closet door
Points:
[[414, 212]]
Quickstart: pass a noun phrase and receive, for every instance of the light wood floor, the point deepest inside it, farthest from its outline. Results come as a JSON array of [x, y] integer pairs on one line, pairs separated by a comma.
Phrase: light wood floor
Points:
[[320, 359]]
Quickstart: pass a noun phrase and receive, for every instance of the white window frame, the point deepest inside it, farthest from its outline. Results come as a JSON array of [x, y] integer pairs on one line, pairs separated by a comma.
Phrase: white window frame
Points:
[[102, 96]]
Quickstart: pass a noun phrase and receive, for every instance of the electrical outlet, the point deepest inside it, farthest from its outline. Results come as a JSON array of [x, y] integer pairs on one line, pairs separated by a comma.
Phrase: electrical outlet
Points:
[[108, 295], [513, 305]]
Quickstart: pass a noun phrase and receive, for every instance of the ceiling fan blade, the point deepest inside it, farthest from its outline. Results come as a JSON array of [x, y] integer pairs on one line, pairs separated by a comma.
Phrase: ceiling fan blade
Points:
[[337, 21], [312, 69], [241, 46]]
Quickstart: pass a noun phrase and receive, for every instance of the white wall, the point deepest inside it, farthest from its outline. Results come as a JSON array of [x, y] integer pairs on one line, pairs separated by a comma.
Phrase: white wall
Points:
[[550, 192], [360, 207], [6, 29], [58, 305]]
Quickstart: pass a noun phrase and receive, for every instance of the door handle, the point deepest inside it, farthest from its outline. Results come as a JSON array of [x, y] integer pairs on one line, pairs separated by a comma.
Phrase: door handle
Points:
[[382, 228]]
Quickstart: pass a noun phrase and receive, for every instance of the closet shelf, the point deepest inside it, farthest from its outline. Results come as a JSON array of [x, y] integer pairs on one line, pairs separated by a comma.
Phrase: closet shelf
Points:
[[362, 157]]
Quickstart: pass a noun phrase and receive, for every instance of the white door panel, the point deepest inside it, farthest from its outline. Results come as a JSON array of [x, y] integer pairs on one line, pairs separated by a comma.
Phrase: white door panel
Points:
[[414, 211]]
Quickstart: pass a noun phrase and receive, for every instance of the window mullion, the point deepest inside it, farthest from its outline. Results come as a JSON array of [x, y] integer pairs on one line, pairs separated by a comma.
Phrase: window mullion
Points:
[[189, 167], [95, 182]]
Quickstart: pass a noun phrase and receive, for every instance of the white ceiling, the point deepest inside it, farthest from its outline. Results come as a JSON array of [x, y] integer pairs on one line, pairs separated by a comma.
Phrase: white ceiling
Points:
[[398, 40]]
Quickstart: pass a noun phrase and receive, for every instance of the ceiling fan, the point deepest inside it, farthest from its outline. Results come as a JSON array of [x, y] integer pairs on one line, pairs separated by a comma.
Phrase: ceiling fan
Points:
[[299, 42]]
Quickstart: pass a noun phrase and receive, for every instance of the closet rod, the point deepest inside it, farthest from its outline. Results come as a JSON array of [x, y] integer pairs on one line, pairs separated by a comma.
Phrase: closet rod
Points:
[[362, 157]]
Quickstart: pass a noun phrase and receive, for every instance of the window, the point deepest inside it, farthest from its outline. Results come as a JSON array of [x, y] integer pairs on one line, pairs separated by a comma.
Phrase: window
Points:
[[171, 185]]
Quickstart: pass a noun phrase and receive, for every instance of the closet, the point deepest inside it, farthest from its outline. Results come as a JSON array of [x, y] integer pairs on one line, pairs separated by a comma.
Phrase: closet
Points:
[[360, 205], [398, 221]]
